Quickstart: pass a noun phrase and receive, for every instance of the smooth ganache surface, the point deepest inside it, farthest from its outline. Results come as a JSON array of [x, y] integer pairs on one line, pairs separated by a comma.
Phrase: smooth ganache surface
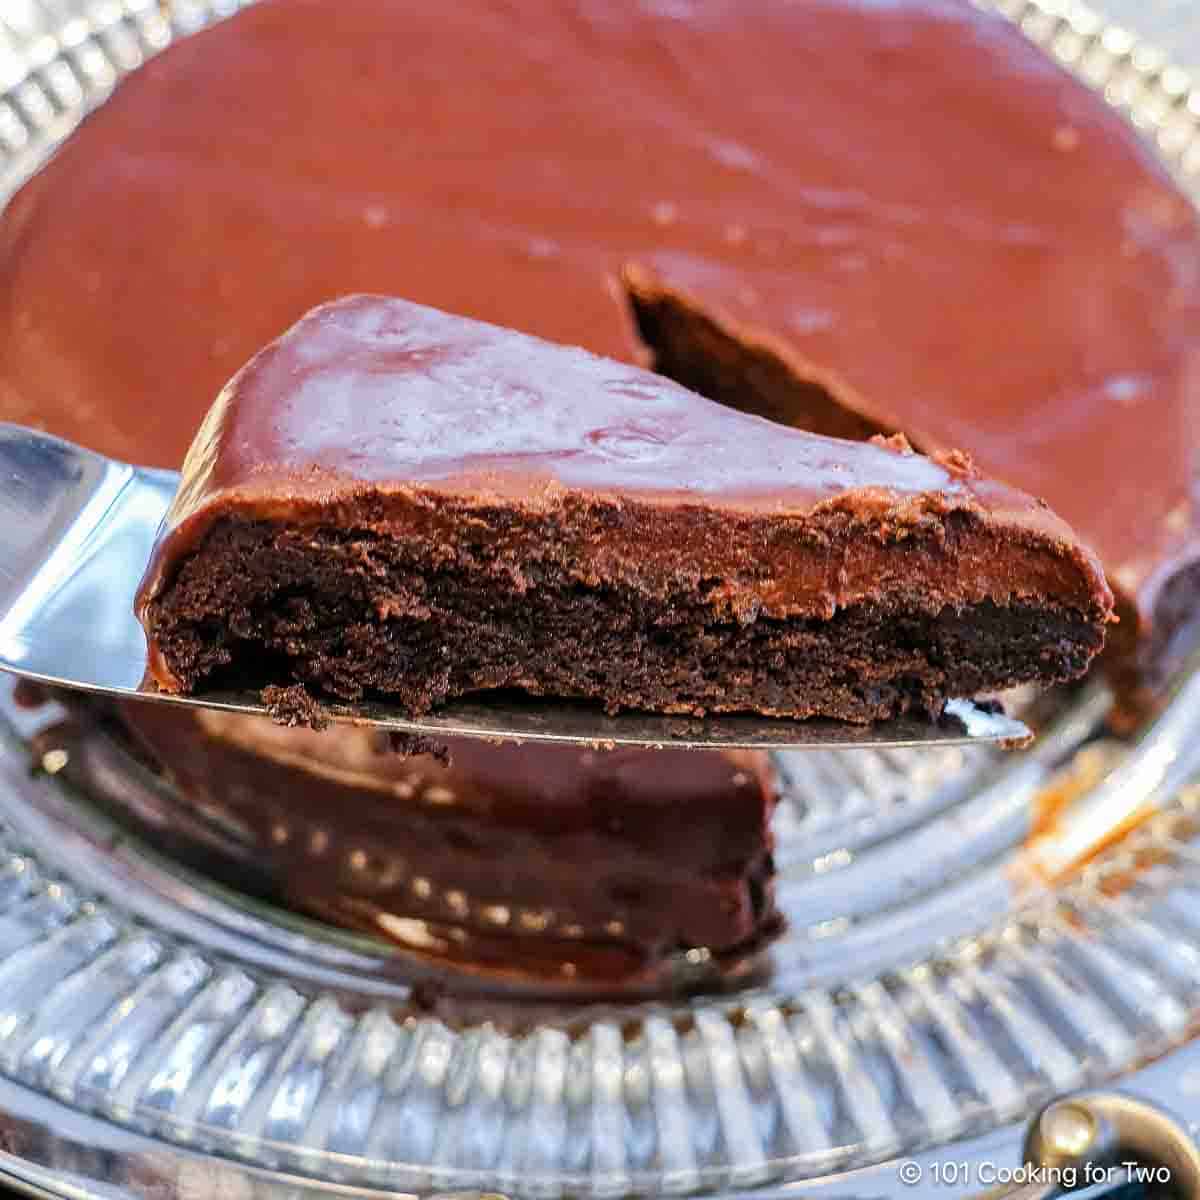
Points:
[[394, 499], [852, 214], [521, 864]]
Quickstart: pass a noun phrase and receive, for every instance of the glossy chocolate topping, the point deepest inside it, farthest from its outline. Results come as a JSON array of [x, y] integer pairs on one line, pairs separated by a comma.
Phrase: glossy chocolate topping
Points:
[[378, 414], [536, 862], [903, 198]]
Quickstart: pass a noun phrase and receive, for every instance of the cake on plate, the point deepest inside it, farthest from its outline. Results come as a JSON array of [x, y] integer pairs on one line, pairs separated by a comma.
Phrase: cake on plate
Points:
[[849, 216]]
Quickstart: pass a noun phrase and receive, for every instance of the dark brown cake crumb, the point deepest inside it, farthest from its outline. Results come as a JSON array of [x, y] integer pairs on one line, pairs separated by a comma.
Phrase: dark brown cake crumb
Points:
[[292, 705], [867, 662], [409, 745]]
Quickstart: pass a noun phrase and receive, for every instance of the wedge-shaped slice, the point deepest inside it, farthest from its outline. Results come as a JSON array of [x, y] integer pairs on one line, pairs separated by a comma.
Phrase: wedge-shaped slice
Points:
[[392, 500]]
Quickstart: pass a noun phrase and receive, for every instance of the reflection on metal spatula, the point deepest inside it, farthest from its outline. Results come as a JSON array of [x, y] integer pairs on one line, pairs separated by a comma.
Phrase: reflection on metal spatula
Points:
[[76, 531]]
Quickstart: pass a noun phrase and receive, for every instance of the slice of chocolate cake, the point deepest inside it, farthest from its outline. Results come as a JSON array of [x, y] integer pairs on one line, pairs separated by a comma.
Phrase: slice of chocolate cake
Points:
[[390, 500], [847, 215]]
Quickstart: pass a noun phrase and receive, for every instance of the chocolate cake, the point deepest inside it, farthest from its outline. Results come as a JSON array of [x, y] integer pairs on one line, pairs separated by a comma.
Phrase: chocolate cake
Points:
[[844, 215], [789, 206], [522, 864], [393, 500]]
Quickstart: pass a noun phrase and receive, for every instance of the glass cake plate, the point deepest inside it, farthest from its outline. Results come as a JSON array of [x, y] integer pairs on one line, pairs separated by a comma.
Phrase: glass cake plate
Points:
[[971, 932]]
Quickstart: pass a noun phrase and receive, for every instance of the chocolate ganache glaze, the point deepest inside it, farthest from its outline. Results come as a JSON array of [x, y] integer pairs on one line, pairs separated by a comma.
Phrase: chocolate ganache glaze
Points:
[[852, 215], [524, 871], [587, 870], [394, 499], [845, 214]]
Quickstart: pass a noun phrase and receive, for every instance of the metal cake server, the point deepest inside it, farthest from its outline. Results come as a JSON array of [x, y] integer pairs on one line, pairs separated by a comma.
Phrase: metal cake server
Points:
[[76, 531]]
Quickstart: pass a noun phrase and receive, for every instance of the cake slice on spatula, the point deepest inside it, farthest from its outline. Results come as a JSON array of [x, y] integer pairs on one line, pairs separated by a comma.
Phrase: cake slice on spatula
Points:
[[390, 501]]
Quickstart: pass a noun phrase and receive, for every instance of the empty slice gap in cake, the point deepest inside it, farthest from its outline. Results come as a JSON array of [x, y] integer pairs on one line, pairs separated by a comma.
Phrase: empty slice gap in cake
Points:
[[391, 501]]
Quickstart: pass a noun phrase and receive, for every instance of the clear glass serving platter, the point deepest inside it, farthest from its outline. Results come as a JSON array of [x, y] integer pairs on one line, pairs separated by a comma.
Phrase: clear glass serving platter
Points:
[[970, 932]]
